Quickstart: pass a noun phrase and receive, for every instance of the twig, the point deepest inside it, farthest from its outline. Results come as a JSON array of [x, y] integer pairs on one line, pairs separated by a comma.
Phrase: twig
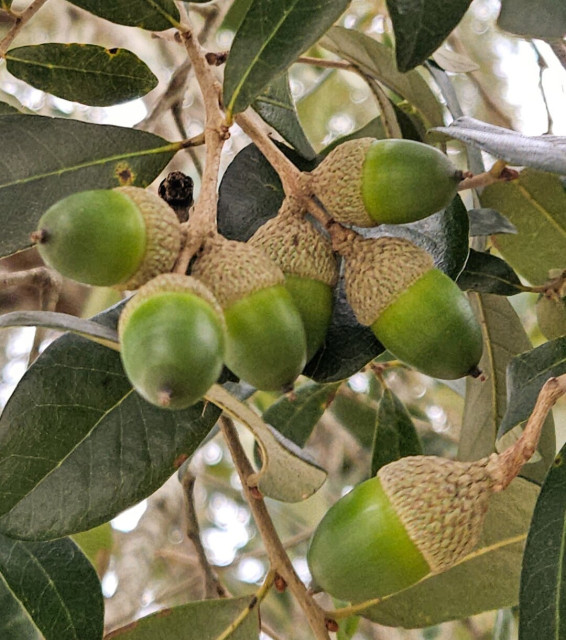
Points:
[[21, 20], [327, 64], [559, 49], [212, 586], [499, 172], [278, 557]]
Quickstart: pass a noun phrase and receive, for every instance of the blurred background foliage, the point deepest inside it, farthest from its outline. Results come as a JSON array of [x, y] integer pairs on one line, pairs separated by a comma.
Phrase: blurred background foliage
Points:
[[144, 557]]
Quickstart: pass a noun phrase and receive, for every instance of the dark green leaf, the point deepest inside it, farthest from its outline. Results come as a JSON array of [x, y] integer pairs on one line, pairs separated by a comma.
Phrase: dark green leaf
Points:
[[548, 21], [78, 445], [526, 375], [235, 14], [295, 417], [487, 579], [202, 620], [48, 590], [536, 205], [155, 15], [276, 106], [547, 153], [485, 273], [357, 415], [376, 60], [83, 73], [270, 38], [395, 434], [421, 27], [487, 222], [544, 569], [46, 159]]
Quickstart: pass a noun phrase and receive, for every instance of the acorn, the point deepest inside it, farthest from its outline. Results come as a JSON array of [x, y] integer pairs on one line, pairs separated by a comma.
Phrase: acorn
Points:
[[417, 312], [172, 340], [119, 237], [266, 343], [306, 258], [418, 516], [366, 182], [551, 316]]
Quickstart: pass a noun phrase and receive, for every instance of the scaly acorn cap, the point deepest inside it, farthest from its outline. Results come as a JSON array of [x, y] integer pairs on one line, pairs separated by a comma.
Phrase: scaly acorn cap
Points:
[[296, 246], [377, 270], [441, 503], [171, 282], [233, 270], [338, 179], [163, 236]]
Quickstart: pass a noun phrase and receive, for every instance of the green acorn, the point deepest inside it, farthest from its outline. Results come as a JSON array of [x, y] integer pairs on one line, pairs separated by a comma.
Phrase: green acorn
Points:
[[419, 515], [266, 343], [307, 260], [172, 340], [366, 182], [417, 312], [119, 237]]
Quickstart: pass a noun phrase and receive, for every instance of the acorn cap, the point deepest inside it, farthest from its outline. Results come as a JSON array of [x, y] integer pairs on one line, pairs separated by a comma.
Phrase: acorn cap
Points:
[[377, 270], [174, 282], [441, 503], [337, 182], [233, 270], [163, 236], [296, 246]]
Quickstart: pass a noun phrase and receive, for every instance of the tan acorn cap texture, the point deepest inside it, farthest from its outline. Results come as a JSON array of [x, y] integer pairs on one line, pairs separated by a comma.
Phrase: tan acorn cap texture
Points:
[[442, 504], [169, 282], [233, 270], [337, 182], [163, 236], [296, 246], [378, 270]]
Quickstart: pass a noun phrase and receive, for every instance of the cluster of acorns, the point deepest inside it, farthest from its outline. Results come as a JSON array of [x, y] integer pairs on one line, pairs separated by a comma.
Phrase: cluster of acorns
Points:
[[263, 309]]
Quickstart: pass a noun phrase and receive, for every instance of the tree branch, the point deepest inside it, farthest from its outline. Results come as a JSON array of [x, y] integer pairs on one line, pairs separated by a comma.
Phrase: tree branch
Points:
[[21, 20]]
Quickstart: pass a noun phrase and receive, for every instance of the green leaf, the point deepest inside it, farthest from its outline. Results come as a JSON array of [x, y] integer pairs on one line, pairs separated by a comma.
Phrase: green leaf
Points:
[[376, 60], [78, 445], [45, 159], [548, 21], [296, 416], [270, 38], [202, 620], [395, 434], [486, 399], [486, 579], [358, 415], [536, 205], [487, 222], [48, 591], [83, 73], [485, 273], [276, 107], [155, 15], [421, 27], [96, 544], [235, 15], [6, 109], [543, 576], [526, 375], [547, 153]]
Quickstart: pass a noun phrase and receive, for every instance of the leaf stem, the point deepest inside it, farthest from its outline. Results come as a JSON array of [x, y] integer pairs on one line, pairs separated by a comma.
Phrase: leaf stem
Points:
[[21, 20]]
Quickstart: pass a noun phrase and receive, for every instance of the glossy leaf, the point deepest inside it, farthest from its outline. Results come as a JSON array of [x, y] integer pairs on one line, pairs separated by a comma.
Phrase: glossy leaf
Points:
[[376, 60], [548, 21], [546, 153], [155, 15], [83, 73], [487, 222], [536, 205], [277, 107], [526, 374], [485, 273], [269, 39], [48, 591], [296, 416], [421, 27], [202, 620], [486, 398], [80, 156], [395, 434], [544, 570], [87, 446], [493, 569]]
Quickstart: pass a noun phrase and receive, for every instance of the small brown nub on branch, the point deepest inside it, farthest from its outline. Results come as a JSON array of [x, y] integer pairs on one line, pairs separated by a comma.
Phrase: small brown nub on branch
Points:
[[41, 236], [475, 372], [331, 625], [216, 59], [177, 191], [280, 583]]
